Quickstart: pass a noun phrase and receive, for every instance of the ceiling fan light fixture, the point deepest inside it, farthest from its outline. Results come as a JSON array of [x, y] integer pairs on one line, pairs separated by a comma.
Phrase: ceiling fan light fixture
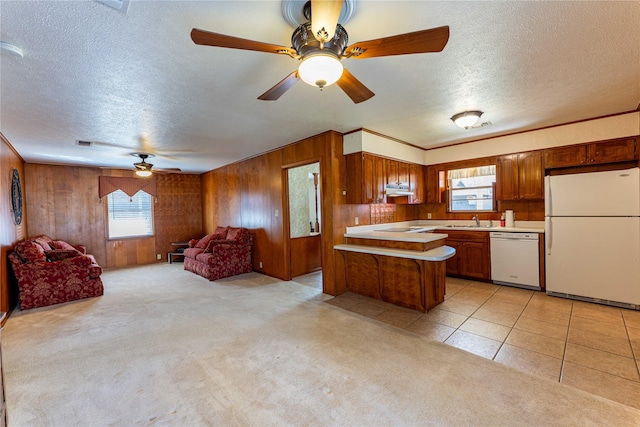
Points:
[[466, 119], [144, 174], [320, 69]]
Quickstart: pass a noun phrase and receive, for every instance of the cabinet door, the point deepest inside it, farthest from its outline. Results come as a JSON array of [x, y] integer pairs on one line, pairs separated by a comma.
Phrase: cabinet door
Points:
[[530, 176], [380, 179], [560, 157], [432, 184], [475, 261], [612, 151], [368, 179], [403, 173], [416, 183], [453, 263], [392, 171], [507, 177]]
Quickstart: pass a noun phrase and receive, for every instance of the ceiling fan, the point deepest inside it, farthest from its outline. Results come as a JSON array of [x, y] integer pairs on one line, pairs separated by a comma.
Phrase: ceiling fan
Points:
[[321, 44], [143, 168]]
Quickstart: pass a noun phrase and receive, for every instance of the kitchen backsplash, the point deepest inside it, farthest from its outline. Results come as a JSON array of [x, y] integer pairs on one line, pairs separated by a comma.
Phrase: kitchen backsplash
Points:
[[382, 213]]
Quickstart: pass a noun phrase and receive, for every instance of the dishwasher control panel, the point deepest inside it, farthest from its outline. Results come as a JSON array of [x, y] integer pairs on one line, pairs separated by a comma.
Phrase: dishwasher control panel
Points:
[[512, 235]]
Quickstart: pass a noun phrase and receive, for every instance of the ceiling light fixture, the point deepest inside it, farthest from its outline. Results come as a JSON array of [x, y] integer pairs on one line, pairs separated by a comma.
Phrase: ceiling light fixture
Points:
[[143, 168], [466, 119], [14, 50], [320, 69]]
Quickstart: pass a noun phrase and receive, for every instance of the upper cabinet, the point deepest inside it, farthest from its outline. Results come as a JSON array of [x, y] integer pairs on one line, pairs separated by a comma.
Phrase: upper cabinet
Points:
[[432, 179], [520, 176], [416, 184], [612, 151], [368, 174], [366, 178]]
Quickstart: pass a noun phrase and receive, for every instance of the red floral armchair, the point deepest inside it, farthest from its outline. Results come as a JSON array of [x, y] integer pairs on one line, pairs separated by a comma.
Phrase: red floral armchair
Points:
[[52, 272], [223, 253]]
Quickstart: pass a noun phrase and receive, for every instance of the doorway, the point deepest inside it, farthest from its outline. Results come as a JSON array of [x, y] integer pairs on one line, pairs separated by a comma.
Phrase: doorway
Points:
[[305, 219]]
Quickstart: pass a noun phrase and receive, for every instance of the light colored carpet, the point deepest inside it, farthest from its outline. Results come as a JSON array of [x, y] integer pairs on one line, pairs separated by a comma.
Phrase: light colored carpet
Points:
[[166, 347]]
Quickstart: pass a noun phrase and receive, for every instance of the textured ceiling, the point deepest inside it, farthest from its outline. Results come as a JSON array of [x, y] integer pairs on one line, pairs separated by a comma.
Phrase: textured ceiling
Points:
[[136, 81]]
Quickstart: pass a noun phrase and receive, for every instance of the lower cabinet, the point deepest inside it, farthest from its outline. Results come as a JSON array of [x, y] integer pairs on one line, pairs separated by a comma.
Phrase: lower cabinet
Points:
[[472, 258]]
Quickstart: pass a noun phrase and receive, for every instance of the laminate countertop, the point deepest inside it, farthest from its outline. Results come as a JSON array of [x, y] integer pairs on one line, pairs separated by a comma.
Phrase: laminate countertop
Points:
[[398, 236], [441, 227], [440, 253]]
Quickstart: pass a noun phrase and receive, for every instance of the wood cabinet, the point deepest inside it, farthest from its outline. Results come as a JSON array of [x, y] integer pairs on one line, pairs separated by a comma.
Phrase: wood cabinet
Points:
[[392, 171], [366, 178], [432, 184], [611, 151], [367, 175], [416, 183], [397, 172], [472, 258], [520, 176]]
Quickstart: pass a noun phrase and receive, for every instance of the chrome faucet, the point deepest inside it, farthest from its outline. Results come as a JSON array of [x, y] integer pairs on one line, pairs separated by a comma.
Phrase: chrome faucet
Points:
[[477, 220]]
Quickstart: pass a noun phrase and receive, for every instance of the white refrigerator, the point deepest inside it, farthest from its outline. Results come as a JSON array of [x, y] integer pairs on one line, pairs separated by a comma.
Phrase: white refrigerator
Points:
[[592, 236]]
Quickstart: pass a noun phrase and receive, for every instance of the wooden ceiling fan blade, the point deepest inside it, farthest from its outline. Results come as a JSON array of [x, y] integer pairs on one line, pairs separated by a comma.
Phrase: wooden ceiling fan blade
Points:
[[165, 171], [207, 38], [324, 18], [353, 87], [424, 41], [280, 88]]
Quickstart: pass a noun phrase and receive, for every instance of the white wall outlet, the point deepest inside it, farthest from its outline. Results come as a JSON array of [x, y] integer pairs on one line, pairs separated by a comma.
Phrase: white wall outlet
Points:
[[344, 192], [159, 256], [260, 264], [357, 220], [429, 215], [277, 213]]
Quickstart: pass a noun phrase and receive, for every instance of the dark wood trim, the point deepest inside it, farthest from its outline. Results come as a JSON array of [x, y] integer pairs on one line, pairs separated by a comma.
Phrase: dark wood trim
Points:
[[592, 168], [6, 141], [301, 163], [286, 215], [533, 130], [384, 136]]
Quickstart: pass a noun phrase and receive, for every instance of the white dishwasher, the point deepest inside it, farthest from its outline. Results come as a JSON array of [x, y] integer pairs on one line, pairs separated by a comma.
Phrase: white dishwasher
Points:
[[515, 259]]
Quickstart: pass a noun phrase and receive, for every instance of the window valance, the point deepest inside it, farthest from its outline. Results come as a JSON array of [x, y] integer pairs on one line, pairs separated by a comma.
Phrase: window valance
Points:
[[130, 186], [472, 172]]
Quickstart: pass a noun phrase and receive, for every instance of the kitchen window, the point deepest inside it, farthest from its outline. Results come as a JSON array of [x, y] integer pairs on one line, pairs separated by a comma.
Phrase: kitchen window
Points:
[[472, 189], [129, 216]]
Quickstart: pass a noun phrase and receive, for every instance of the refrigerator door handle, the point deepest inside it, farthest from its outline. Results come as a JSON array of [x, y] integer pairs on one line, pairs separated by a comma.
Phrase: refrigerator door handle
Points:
[[547, 195], [548, 233]]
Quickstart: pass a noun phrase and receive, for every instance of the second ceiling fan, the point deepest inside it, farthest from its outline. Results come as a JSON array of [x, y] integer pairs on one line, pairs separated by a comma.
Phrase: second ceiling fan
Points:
[[322, 43]]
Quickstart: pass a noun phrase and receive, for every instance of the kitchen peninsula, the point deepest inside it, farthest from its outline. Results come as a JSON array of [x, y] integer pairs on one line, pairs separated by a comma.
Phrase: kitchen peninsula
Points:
[[406, 269]]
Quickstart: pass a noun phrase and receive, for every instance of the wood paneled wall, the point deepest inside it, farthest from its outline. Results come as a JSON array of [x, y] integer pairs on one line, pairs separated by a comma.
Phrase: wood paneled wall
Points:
[[10, 233], [250, 194], [63, 203], [178, 212]]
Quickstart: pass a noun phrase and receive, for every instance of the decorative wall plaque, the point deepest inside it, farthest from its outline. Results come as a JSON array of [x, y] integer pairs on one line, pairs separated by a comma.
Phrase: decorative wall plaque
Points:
[[16, 196]]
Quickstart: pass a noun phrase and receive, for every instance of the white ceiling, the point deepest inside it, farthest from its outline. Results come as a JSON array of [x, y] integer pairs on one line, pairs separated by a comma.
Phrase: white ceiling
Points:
[[136, 81]]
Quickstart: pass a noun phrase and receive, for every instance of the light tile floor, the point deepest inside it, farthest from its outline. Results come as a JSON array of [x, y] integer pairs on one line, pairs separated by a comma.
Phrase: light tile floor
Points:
[[589, 346]]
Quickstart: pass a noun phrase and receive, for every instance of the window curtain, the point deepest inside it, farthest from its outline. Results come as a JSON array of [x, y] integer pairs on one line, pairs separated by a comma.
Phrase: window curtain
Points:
[[472, 172], [130, 186]]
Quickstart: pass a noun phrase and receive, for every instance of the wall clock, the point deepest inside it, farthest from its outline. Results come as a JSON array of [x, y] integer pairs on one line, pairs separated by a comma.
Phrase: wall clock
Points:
[[16, 196]]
